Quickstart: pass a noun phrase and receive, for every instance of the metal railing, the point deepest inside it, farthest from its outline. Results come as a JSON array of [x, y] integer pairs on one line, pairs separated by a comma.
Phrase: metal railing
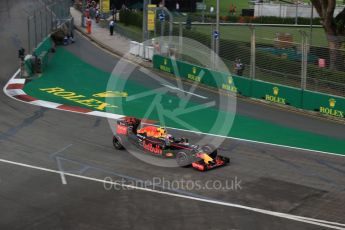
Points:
[[279, 54], [289, 55], [47, 16]]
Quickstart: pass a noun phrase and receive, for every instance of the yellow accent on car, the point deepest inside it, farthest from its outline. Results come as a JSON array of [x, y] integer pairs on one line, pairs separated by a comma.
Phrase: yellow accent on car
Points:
[[207, 159]]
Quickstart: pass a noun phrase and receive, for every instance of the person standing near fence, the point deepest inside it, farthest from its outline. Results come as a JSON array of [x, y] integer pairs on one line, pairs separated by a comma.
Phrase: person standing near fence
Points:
[[113, 12], [97, 16], [87, 12], [111, 27], [238, 67], [88, 25]]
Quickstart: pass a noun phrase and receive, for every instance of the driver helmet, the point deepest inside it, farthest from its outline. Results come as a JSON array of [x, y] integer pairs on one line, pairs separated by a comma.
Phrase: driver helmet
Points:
[[162, 132]]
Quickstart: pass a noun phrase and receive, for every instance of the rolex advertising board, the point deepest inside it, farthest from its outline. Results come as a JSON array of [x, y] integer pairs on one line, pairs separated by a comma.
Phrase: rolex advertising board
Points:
[[276, 93], [324, 104]]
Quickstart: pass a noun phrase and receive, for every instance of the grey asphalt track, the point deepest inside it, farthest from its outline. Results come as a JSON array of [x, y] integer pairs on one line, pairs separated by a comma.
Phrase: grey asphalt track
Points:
[[272, 178]]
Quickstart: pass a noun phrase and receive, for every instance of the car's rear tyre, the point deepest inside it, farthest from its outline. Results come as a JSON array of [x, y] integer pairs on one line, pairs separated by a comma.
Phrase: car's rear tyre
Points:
[[117, 144], [210, 150], [227, 160], [183, 159]]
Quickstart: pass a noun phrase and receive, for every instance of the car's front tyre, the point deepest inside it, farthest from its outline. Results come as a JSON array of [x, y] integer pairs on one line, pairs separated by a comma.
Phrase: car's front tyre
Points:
[[117, 143], [183, 159], [210, 150]]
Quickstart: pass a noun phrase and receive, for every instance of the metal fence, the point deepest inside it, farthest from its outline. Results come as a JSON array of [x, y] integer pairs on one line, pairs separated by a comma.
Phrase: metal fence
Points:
[[276, 54], [47, 16], [129, 33], [291, 55]]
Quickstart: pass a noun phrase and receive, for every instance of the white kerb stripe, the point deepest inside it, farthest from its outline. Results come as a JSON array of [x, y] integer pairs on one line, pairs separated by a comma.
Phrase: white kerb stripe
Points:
[[107, 115], [15, 92], [17, 81], [46, 104]]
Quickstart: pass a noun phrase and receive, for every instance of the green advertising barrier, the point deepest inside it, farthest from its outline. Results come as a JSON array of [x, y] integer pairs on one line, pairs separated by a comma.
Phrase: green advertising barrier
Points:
[[192, 72], [199, 74], [323, 103], [236, 84], [277, 93], [42, 50], [162, 63], [44, 46], [244, 85], [308, 100], [28, 67], [44, 59]]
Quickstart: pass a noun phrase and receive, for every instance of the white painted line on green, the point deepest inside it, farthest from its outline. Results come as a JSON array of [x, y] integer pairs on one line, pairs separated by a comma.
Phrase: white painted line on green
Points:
[[181, 90]]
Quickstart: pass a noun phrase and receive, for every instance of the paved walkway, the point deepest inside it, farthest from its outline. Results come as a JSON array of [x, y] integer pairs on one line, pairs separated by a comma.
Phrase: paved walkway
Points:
[[117, 43]]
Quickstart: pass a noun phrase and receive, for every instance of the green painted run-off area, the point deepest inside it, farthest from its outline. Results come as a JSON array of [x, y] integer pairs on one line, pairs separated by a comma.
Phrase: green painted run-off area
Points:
[[77, 83]]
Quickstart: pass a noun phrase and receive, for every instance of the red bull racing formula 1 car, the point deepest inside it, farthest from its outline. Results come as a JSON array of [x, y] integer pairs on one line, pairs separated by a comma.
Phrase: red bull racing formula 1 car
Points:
[[156, 141]]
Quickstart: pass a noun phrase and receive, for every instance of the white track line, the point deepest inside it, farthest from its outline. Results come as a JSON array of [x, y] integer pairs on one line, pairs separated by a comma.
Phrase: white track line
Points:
[[322, 223], [62, 174], [181, 90], [117, 116], [63, 178]]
